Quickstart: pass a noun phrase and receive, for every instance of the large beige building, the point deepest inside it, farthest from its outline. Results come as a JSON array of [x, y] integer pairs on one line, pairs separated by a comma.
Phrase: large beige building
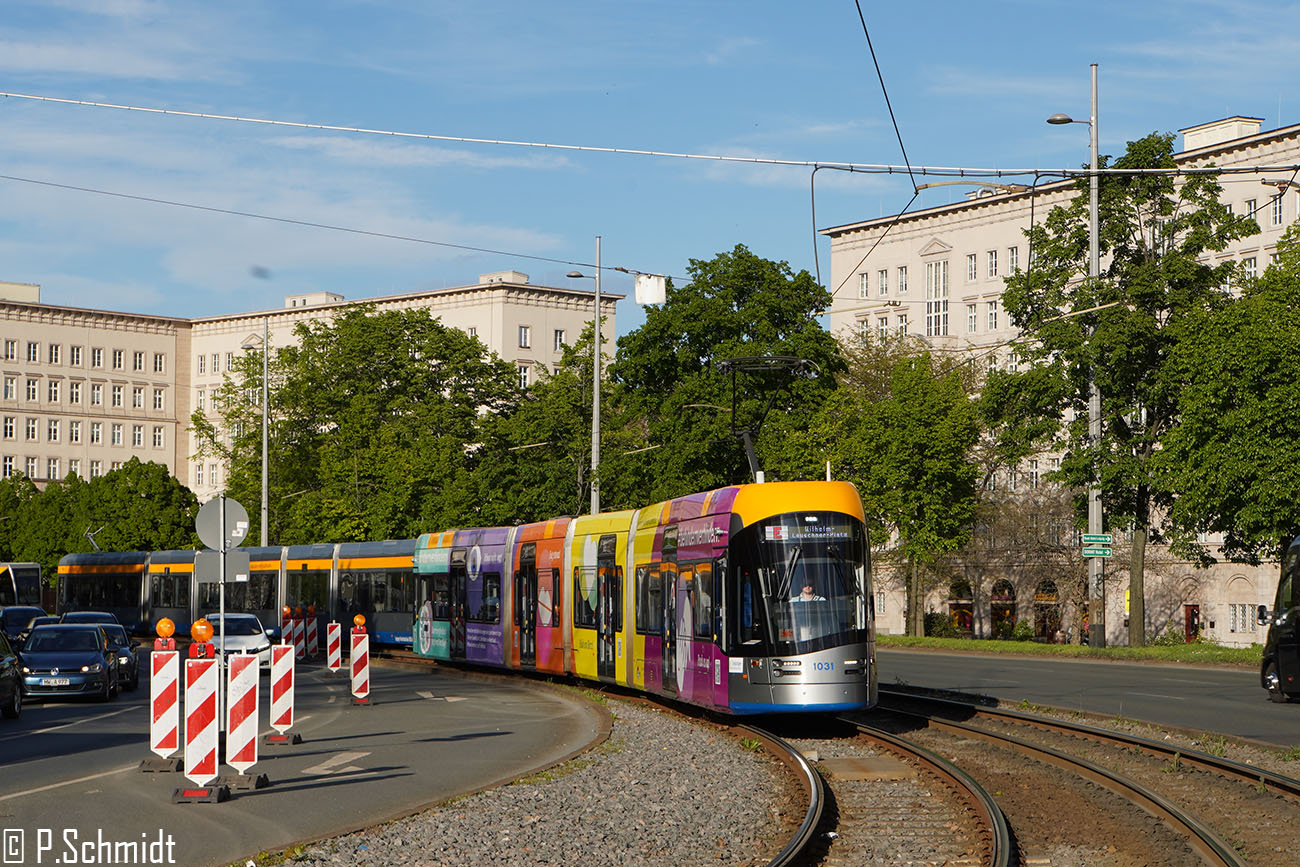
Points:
[[86, 390], [938, 273]]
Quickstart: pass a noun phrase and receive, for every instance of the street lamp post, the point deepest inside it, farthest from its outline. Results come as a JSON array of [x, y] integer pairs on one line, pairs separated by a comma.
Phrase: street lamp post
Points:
[[1096, 587], [266, 328], [595, 386]]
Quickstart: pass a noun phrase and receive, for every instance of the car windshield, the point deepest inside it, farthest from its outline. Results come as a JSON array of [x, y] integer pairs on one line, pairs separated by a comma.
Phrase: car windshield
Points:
[[116, 636], [61, 641], [238, 626], [16, 618]]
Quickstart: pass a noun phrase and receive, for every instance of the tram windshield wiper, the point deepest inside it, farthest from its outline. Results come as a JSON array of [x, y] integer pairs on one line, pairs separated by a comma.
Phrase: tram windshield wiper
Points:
[[787, 580]]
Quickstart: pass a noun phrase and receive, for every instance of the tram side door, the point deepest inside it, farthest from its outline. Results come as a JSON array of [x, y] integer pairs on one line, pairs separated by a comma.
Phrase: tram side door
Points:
[[607, 601], [458, 576], [668, 661], [526, 604]]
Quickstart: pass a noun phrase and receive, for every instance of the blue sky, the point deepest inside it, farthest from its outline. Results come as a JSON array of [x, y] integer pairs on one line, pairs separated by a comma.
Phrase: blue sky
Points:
[[970, 83]]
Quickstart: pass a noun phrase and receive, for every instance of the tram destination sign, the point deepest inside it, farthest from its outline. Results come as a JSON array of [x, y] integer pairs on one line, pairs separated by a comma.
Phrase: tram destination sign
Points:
[[1096, 552], [1104, 539]]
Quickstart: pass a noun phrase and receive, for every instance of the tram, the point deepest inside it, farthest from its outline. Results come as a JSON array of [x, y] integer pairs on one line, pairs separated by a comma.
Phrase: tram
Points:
[[1279, 669], [748, 599], [20, 584]]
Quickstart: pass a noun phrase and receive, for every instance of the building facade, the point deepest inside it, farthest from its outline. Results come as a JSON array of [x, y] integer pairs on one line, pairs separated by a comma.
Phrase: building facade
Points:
[[937, 274], [86, 390]]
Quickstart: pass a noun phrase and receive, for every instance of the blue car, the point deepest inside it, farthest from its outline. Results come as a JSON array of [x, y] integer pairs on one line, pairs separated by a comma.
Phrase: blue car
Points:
[[66, 659]]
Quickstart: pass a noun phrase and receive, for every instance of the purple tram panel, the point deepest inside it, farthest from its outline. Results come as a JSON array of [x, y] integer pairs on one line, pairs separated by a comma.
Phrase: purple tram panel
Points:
[[482, 556]]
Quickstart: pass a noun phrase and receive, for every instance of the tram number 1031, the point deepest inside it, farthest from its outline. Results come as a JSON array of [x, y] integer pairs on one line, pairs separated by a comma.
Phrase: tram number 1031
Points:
[[823, 666]]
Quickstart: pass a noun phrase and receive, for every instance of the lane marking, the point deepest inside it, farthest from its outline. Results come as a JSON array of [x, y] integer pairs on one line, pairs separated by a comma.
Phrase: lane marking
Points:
[[454, 698], [328, 766], [70, 782], [68, 725], [1159, 695], [424, 693]]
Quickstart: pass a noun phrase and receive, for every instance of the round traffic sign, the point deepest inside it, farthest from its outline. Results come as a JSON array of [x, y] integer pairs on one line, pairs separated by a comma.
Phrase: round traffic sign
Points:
[[208, 524]]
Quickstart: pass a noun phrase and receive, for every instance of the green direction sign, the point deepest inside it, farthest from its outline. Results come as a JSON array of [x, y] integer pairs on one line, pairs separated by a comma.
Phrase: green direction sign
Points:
[[1096, 552], [1098, 539]]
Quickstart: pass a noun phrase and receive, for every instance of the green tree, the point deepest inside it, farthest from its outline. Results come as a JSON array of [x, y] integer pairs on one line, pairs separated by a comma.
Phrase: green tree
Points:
[[908, 451], [1234, 456], [1154, 231], [376, 418], [737, 305]]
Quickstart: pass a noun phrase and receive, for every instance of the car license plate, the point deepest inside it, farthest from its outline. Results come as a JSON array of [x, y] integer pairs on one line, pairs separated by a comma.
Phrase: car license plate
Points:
[[55, 681]]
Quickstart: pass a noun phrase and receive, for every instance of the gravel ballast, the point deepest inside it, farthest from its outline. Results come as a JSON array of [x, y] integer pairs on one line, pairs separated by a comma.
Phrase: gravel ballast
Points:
[[660, 790]]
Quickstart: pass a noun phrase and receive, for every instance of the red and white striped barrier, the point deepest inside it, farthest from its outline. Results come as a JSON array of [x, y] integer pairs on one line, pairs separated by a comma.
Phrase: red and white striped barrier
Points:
[[201, 720], [299, 645], [313, 644], [165, 701], [360, 667], [242, 682], [282, 687], [334, 646]]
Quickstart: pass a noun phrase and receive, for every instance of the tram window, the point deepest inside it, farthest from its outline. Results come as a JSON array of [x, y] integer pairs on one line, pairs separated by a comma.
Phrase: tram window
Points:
[[703, 585], [379, 592], [347, 587], [584, 591], [491, 597], [548, 603], [616, 594], [442, 596], [643, 603]]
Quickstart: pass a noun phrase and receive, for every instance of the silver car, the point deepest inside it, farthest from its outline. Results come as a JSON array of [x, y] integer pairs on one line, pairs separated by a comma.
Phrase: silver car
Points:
[[243, 633]]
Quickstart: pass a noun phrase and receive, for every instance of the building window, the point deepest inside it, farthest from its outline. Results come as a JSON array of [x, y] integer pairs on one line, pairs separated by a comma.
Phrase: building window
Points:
[[1277, 210], [1033, 474], [11, 350], [33, 432], [1248, 266], [523, 375], [159, 362], [972, 316], [96, 358], [117, 396], [972, 267], [864, 285], [936, 297], [1012, 473], [52, 430], [993, 263], [74, 431], [203, 364], [901, 323], [55, 353], [137, 360], [882, 327], [52, 391], [116, 434], [216, 363], [472, 331], [902, 279], [96, 469], [1241, 617], [137, 436], [1250, 207], [96, 433], [212, 475], [52, 468], [74, 466], [32, 388], [864, 328], [158, 400], [74, 392], [158, 440], [993, 315], [33, 351], [137, 398], [198, 400], [8, 466], [11, 387], [74, 356], [119, 359], [31, 468], [96, 394], [1013, 258], [198, 475], [9, 427], [882, 281], [559, 339], [525, 336]]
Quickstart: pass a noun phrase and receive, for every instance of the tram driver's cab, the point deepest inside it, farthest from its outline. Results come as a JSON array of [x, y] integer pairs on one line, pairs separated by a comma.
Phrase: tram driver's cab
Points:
[[1279, 670]]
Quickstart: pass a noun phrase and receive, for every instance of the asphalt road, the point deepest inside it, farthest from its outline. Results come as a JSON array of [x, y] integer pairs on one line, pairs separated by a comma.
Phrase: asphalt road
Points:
[[1222, 700], [72, 768]]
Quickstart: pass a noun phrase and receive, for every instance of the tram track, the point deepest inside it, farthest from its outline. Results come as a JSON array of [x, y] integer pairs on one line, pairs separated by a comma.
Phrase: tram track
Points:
[[1229, 812]]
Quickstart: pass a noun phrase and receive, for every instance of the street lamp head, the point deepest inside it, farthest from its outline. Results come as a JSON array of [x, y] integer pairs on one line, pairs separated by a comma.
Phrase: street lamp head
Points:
[[577, 274], [1059, 118]]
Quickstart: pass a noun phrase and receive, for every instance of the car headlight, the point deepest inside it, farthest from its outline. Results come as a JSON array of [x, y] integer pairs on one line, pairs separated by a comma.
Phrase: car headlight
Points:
[[93, 669], [263, 647], [124, 660], [26, 670]]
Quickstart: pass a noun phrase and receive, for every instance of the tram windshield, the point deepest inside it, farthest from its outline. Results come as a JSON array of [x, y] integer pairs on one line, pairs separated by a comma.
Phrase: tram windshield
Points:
[[802, 584]]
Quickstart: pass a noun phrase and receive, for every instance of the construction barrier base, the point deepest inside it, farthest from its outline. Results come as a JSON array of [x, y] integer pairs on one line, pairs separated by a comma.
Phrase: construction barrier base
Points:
[[201, 795], [284, 740], [243, 782], [362, 702], [156, 765]]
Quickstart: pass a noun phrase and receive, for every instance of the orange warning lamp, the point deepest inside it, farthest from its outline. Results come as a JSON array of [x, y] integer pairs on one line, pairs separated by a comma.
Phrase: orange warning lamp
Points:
[[311, 609], [201, 631], [359, 620], [166, 628], [286, 611], [297, 612]]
